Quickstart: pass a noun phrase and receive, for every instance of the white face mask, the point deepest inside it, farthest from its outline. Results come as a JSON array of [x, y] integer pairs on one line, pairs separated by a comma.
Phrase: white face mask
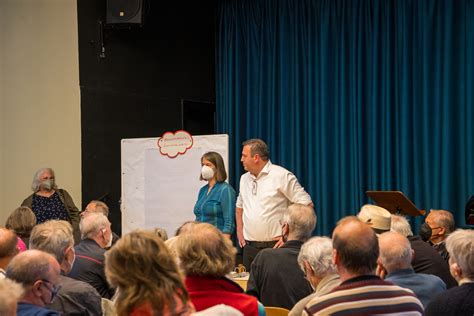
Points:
[[207, 173]]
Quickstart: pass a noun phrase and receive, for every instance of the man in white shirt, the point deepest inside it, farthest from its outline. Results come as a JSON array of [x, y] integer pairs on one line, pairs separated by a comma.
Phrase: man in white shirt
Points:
[[266, 191]]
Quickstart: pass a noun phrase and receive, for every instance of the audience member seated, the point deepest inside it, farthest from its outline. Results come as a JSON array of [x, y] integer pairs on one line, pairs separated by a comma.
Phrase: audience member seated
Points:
[[355, 253], [75, 297], [147, 278], [425, 259], [376, 217], [89, 264], [8, 249], [50, 202], [21, 221], [10, 293], [394, 264], [276, 278], [38, 272], [95, 206], [206, 255], [315, 259], [441, 223], [458, 300]]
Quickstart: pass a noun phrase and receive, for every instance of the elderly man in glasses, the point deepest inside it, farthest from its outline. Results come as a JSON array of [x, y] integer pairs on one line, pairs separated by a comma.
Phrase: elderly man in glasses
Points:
[[266, 191], [38, 272]]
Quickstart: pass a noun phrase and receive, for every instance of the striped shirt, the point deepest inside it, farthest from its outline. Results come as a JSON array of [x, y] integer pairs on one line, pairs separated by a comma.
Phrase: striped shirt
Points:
[[366, 295]]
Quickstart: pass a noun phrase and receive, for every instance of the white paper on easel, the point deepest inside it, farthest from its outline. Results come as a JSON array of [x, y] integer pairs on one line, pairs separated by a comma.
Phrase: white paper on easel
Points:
[[159, 191]]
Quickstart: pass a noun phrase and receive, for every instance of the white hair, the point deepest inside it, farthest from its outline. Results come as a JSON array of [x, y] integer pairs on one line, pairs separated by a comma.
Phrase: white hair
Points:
[[317, 251], [395, 251], [460, 246], [91, 225], [301, 220], [401, 225], [35, 185], [53, 237]]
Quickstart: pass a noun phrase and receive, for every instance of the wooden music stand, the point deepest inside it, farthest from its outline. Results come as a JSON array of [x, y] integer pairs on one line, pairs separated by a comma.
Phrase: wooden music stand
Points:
[[395, 202]]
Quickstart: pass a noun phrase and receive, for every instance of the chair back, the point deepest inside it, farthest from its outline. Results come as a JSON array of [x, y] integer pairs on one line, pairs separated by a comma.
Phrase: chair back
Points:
[[276, 311]]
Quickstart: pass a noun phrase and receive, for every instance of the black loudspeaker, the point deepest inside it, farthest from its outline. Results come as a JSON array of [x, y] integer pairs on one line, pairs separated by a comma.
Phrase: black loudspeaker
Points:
[[128, 12]]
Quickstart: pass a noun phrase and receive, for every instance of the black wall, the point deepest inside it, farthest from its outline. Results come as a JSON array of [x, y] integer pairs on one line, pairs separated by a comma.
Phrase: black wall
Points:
[[137, 88]]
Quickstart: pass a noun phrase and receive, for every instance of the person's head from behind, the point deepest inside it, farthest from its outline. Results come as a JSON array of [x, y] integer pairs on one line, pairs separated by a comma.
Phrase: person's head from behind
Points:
[[184, 227], [255, 155], [213, 166], [315, 259], [356, 248], [298, 222], [38, 273], [161, 233], [44, 180], [395, 252], [401, 225], [21, 221], [441, 223], [56, 238], [95, 206], [8, 246], [96, 227], [143, 270], [460, 245], [10, 293], [205, 251]]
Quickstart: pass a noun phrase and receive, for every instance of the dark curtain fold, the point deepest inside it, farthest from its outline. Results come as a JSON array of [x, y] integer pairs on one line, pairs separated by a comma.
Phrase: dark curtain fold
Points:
[[352, 96]]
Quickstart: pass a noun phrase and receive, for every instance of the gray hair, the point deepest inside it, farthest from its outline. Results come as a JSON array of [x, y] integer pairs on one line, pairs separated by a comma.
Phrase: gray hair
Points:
[[35, 185], [401, 225], [91, 225], [29, 266], [301, 220], [10, 293], [53, 237], [317, 251], [258, 146], [460, 245], [443, 218], [395, 251]]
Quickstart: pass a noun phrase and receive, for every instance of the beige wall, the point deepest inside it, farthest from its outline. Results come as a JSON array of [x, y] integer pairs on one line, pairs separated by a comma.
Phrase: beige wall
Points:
[[39, 97]]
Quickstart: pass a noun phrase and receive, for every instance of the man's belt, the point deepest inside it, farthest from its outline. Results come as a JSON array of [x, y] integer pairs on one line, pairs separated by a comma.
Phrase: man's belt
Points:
[[261, 244]]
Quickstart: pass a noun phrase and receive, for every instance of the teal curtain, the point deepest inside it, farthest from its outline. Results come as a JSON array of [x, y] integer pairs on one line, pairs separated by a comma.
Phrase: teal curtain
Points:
[[353, 95]]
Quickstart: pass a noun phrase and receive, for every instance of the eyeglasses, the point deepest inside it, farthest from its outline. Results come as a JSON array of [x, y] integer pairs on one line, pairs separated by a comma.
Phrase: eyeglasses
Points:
[[53, 289], [254, 187]]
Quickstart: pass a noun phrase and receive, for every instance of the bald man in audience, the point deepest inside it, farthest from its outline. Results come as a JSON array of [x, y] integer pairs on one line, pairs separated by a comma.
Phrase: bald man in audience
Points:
[[315, 259], [10, 293], [96, 235], [394, 264], [8, 249], [441, 223], [355, 253], [95, 206], [425, 259], [38, 273], [75, 297], [276, 278]]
